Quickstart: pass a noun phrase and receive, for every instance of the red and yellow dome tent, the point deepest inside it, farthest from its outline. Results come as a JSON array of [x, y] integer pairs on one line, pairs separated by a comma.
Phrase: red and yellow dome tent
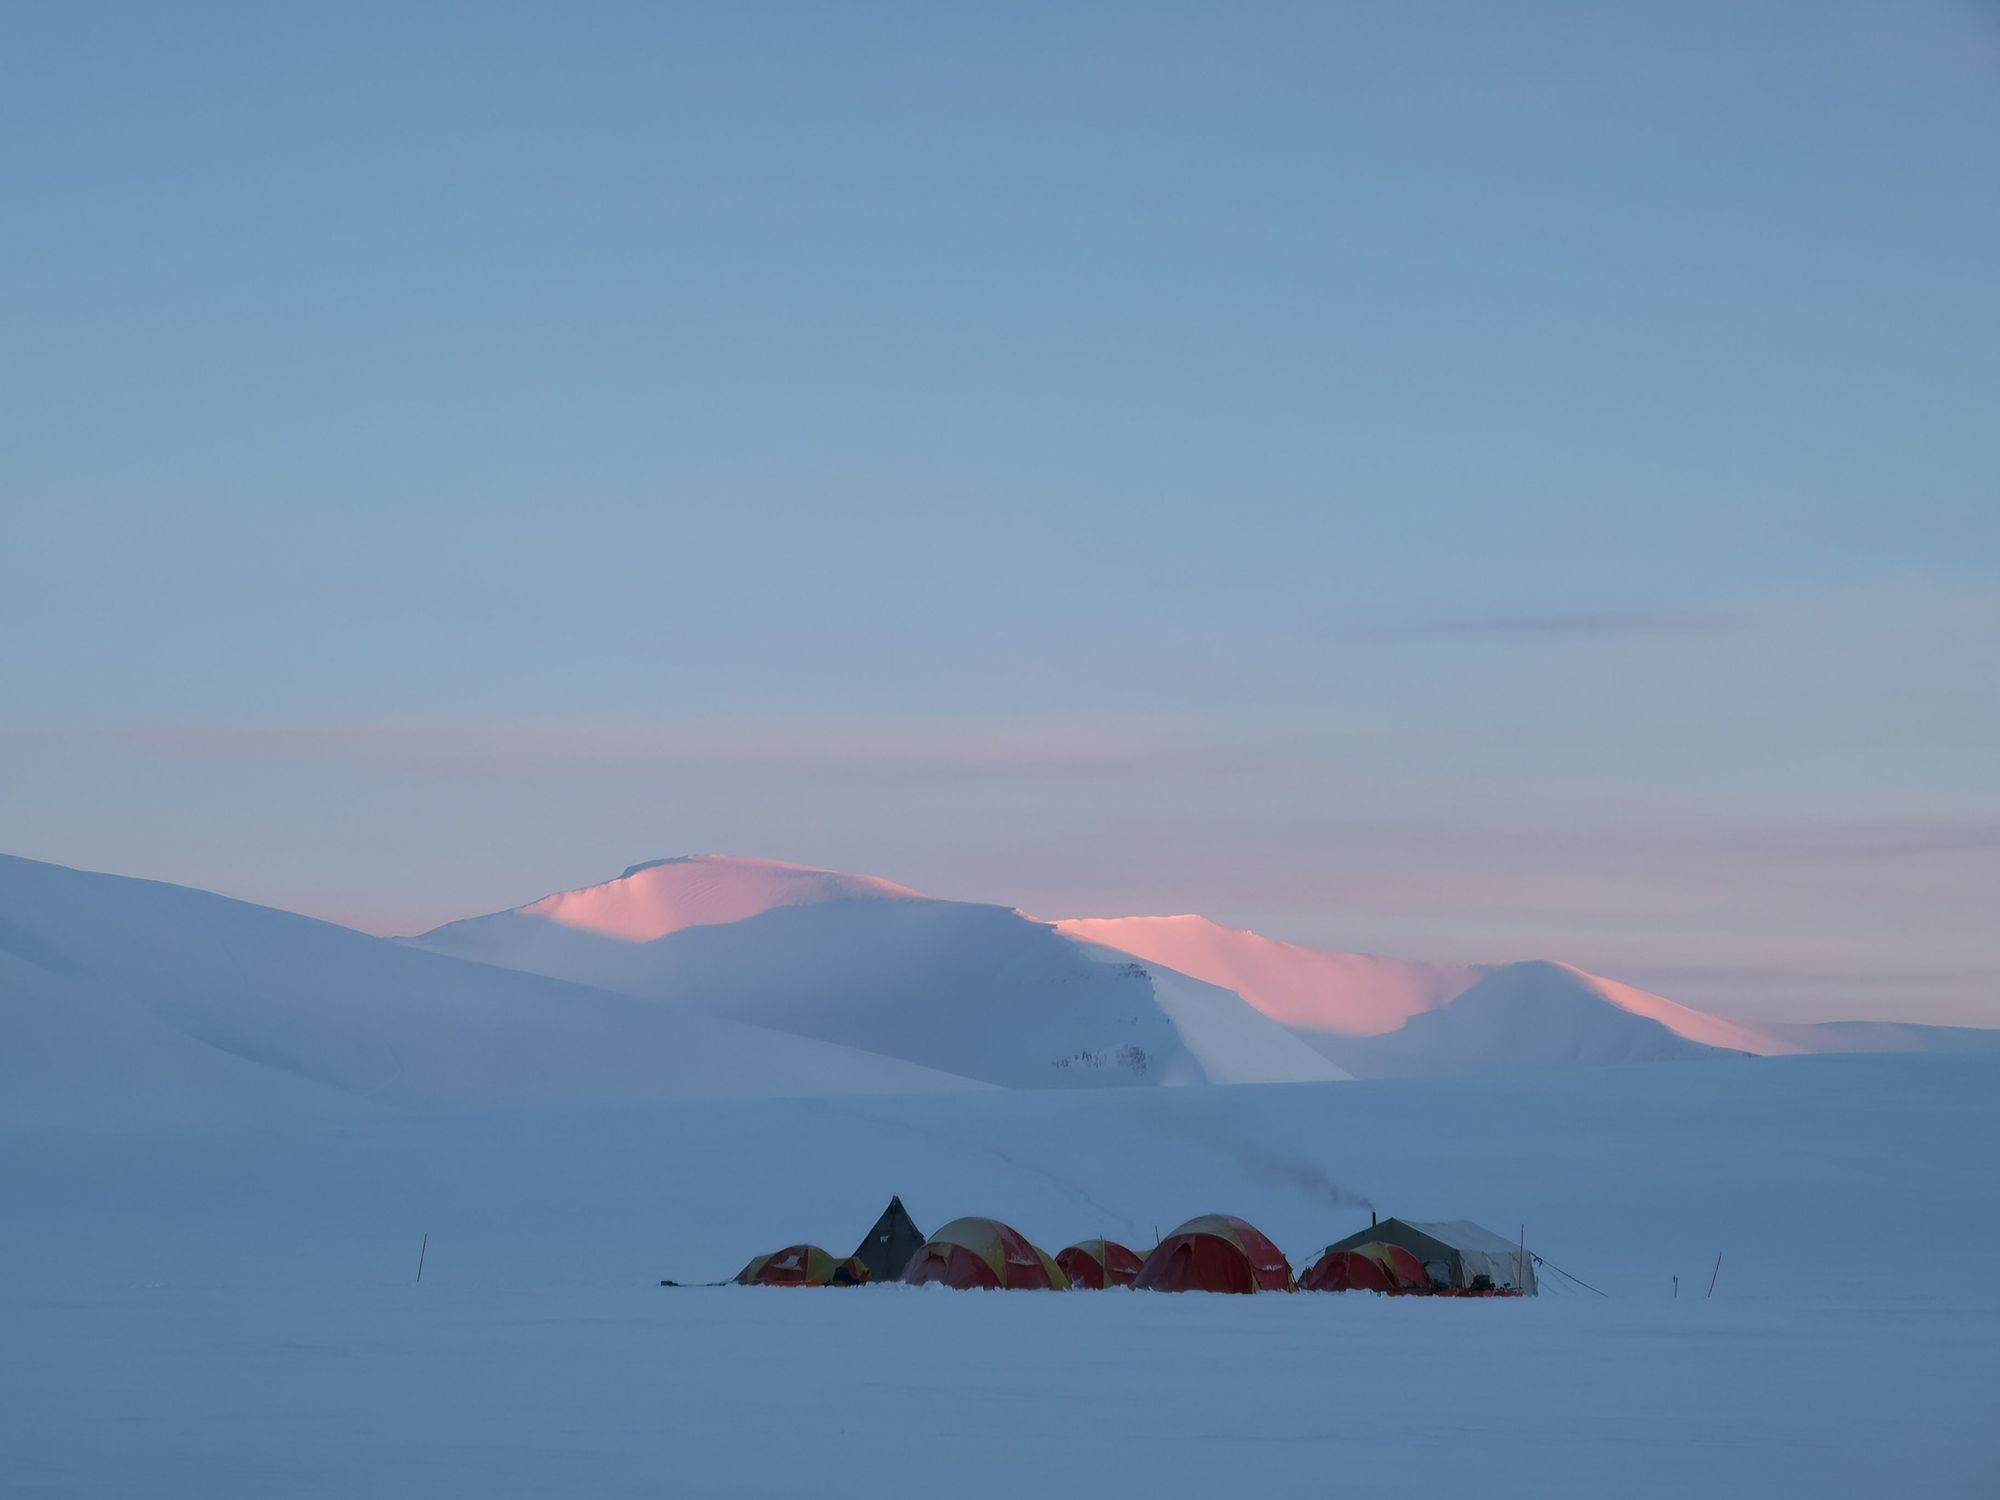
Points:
[[983, 1253], [1092, 1265], [802, 1265], [1215, 1253]]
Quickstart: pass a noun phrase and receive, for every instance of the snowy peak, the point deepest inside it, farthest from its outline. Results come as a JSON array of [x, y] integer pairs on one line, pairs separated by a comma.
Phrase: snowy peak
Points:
[[1376, 1016], [705, 890], [663, 896], [1698, 1026], [975, 990], [1307, 989], [1541, 1014]]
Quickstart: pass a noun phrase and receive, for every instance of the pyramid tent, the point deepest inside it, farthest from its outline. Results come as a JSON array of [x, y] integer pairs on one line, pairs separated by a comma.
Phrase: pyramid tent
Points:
[[886, 1249]]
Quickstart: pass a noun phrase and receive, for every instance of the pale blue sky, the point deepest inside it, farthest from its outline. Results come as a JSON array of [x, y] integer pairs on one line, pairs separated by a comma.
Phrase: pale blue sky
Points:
[[1474, 480]]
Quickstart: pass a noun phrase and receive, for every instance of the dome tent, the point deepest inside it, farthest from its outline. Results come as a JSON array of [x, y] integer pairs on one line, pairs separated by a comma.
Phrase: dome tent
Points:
[[1373, 1267], [802, 1265], [1095, 1264], [1215, 1253], [976, 1253], [1459, 1257]]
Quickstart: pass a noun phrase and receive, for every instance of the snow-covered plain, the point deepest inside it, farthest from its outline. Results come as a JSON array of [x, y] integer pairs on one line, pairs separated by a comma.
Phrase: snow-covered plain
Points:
[[214, 1310], [224, 1131]]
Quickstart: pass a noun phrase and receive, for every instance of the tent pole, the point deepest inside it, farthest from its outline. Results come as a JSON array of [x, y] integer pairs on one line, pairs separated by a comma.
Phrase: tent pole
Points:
[[1715, 1273], [1521, 1263]]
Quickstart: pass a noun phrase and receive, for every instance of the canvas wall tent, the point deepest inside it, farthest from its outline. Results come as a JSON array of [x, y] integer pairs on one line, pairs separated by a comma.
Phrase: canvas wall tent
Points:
[[1455, 1253], [983, 1254], [886, 1249], [802, 1265], [1373, 1267], [1095, 1264], [1215, 1253]]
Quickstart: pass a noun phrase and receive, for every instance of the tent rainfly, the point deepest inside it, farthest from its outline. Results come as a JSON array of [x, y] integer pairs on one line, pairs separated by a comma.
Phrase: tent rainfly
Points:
[[984, 1253], [1092, 1265], [1459, 1256], [1215, 1253], [887, 1248], [802, 1265]]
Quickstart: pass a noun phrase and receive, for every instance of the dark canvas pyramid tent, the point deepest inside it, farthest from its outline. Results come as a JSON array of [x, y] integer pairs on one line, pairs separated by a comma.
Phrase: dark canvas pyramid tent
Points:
[[887, 1248]]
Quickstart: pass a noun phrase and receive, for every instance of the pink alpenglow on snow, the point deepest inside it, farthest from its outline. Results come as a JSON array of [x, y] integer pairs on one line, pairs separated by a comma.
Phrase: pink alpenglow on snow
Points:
[[1696, 1025], [702, 890], [1311, 989]]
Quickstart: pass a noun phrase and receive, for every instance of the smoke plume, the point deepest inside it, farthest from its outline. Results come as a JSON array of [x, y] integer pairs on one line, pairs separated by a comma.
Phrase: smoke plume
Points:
[[1298, 1173]]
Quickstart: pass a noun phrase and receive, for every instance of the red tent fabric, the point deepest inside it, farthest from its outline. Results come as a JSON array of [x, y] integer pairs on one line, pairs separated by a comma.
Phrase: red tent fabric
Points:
[[1345, 1271], [975, 1253], [1095, 1264], [1215, 1253], [801, 1265], [1374, 1267]]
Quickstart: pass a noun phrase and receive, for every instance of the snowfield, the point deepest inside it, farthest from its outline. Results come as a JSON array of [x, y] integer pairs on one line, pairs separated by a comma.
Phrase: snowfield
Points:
[[226, 1130], [450, 1392], [218, 1311]]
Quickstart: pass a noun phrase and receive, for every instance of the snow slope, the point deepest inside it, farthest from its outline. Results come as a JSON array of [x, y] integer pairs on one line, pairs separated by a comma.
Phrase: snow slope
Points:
[[1308, 989], [648, 902], [1538, 1015], [980, 991], [131, 999], [229, 1312], [1380, 1017]]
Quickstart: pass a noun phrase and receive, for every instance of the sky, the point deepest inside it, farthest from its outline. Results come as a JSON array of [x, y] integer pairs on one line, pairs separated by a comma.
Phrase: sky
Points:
[[1449, 480]]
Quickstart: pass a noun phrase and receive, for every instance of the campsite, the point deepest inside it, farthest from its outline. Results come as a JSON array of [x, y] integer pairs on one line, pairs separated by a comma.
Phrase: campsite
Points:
[[832, 751], [1209, 1253], [539, 1353]]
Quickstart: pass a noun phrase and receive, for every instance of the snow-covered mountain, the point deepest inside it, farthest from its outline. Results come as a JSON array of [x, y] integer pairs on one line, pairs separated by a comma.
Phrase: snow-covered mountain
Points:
[[562, 934], [1536, 1015], [979, 991], [1310, 990], [993, 994], [131, 999], [1395, 1017], [708, 975]]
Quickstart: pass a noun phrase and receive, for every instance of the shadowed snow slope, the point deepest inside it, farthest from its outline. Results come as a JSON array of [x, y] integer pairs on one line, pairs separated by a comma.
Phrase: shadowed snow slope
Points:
[[130, 999], [981, 991]]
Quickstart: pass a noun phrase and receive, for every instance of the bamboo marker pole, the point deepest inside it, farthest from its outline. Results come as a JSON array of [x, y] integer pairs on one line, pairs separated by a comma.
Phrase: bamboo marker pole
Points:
[[1521, 1263], [422, 1250], [1715, 1273]]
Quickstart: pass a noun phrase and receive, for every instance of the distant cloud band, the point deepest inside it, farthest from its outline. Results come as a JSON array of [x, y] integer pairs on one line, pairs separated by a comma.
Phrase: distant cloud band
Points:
[[1552, 625]]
